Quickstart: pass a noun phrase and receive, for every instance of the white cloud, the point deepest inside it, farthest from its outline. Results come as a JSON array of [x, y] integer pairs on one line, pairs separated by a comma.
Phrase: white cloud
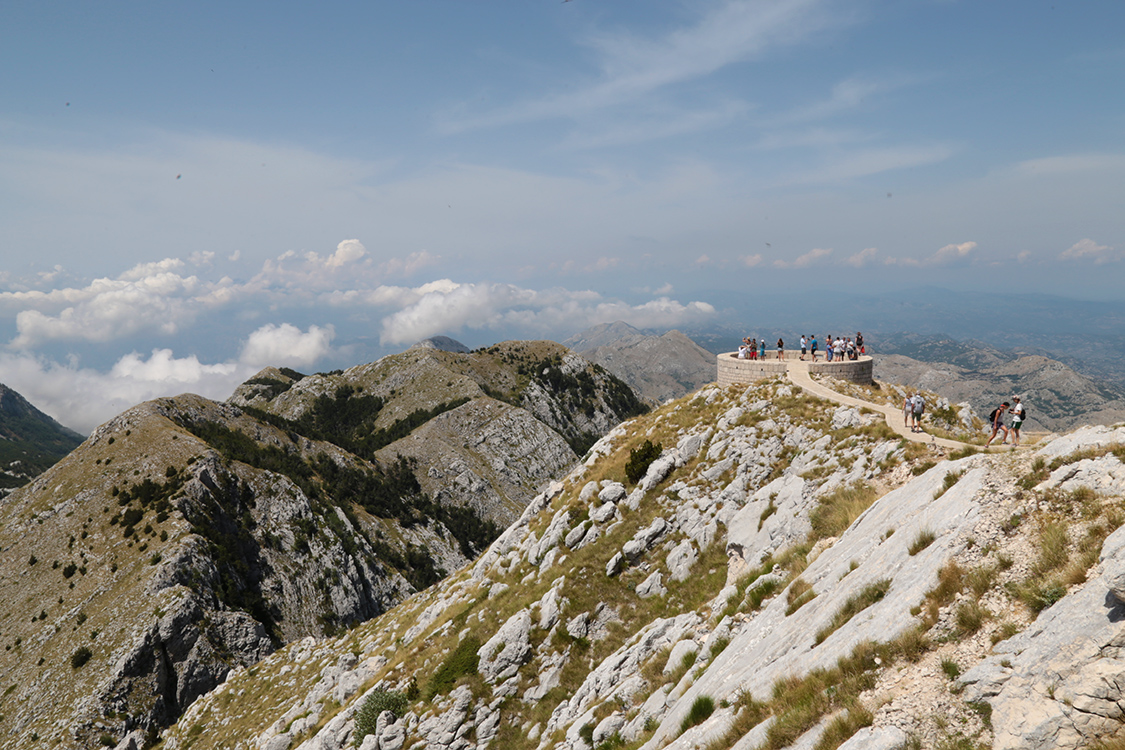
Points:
[[633, 67], [409, 265], [751, 260], [159, 269], [862, 258], [1053, 166], [446, 308], [848, 94], [952, 254], [286, 345], [1087, 249], [806, 260], [147, 297], [602, 264], [348, 251], [872, 161], [82, 398]]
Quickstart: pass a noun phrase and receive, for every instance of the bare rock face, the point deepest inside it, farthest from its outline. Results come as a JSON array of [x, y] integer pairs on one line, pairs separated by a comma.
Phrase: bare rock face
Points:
[[658, 367], [1075, 649], [486, 455], [506, 651]]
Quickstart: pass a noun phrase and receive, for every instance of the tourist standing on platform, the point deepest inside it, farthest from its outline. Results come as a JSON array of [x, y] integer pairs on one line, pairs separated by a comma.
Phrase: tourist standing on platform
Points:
[[804, 345], [859, 343], [828, 347], [813, 347], [838, 349], [753, 348], [780, 349], [762, 350]]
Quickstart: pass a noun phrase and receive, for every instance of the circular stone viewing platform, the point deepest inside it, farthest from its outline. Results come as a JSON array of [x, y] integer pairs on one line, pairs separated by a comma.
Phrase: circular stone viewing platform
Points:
[[733, 370]]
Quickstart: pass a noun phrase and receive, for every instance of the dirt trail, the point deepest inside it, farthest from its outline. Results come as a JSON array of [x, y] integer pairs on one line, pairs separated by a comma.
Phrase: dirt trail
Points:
[[799, 374]]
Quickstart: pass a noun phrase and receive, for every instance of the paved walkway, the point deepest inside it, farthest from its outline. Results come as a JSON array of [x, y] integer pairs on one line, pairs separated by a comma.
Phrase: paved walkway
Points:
[[799, 374]]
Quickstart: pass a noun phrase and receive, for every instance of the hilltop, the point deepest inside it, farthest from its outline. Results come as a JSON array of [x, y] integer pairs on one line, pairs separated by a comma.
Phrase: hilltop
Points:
[[779, 572], [658, 367], [187, 537]]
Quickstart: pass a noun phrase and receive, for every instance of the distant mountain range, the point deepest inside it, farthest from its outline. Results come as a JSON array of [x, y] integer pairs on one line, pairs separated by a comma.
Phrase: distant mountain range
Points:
[[659, 367], [30, 441], [1057, 397]]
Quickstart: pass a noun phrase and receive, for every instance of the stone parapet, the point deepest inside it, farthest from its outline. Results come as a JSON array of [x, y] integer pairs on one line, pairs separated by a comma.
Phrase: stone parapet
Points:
[[857, 371], [732, 370]]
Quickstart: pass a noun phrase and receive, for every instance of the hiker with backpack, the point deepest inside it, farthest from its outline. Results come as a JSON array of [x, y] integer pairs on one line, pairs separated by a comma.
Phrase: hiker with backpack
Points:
[[996, 418], [919, 407]]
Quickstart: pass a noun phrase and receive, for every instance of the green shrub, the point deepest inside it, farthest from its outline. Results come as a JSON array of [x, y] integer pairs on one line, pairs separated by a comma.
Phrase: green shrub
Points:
[[951, 668], [376, 703], [702, 708], [462, 661], [79, 658], [640, 459]]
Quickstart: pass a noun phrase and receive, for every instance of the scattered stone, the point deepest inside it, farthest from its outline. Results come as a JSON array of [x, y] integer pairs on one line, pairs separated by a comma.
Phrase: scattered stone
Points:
[[506, 651], [651, 586]]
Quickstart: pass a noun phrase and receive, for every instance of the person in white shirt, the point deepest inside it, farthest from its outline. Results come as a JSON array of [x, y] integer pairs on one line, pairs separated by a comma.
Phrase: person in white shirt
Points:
[[1016, 413], [804, 346]]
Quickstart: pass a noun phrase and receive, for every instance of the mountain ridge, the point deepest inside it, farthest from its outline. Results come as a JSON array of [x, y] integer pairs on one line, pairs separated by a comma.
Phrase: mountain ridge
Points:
[[660, 367], [187, 537]]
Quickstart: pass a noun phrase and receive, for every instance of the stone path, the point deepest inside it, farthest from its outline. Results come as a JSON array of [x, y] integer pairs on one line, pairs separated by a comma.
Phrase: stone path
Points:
[[799, 374]]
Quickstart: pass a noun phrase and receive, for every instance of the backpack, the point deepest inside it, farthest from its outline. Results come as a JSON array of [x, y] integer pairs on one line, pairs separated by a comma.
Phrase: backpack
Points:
[[919, 405], [992, 416], [1023, 414]]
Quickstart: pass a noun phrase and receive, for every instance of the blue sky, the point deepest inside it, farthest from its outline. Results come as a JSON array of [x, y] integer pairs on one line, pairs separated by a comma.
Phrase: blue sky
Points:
[[189, 192]]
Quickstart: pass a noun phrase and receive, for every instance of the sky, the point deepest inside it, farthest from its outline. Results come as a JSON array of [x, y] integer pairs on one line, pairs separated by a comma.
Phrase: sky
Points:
[[191, 192]]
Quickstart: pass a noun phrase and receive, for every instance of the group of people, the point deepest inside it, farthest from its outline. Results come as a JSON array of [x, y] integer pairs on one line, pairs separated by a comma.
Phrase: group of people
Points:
[[753, 349], [996, 420], [913, 407], [839, 349]]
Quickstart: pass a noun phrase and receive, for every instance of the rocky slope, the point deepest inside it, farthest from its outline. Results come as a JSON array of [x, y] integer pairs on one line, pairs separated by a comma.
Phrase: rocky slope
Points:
[[1058, 398], [658, 367], [784, 574], [488, 427], [30, 441], [187, 537]]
